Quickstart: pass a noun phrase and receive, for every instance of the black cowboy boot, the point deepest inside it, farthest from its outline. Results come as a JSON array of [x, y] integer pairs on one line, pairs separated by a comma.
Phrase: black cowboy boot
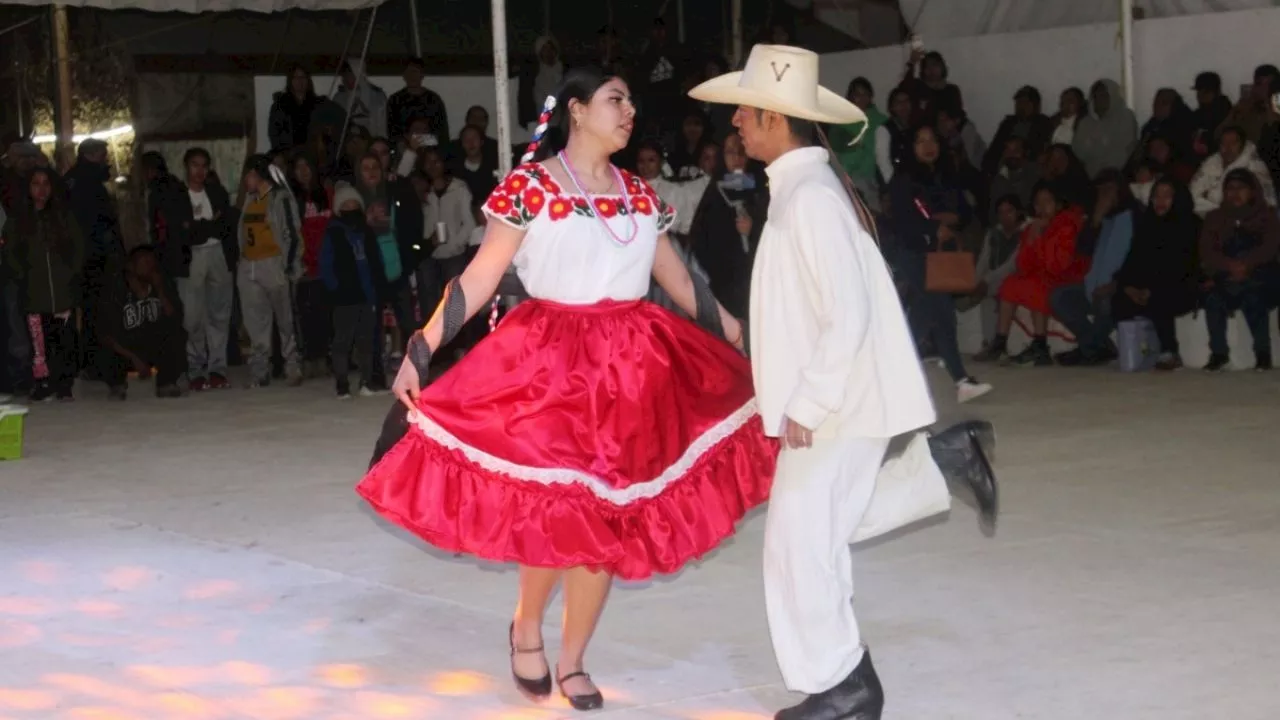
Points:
[[857, 697], [963, 452]]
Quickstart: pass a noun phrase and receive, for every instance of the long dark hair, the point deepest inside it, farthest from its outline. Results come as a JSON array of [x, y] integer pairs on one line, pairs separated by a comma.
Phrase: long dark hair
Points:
[[56, 213], [315, 193], [310, 98], [581, 84]]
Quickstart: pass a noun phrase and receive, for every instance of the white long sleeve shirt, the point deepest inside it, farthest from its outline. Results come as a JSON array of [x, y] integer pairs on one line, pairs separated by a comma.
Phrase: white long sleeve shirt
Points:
[[830, 347], [1206, 186], [454, 210]]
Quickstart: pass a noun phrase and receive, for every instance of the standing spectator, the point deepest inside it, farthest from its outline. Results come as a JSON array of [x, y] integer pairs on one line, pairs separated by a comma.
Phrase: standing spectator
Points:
[[1105, 138], [365, 103], [660, 73], [448, 209], [350, 266], [1085, 307], [1238, 249], [289, 123], [415, 101], [859, 159], [314, 316], [727, 224], [1047, 259], [478, 117], [963, 150], [683, 158], [472, 166], [1212, 109], [930, 90], [97, 219], [270, 249], [201, 253], [928, 210], [141, 328], [1072, 108], [45, 253], [15, 351], [1235, 152], [1027, 123], [540, 80], [1159, 277]]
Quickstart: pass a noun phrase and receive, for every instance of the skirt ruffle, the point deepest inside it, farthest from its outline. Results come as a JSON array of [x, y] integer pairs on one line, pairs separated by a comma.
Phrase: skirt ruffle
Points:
[[615, 436]]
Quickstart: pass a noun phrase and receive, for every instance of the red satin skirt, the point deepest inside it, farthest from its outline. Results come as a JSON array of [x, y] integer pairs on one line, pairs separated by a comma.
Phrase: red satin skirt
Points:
[[616, 436]]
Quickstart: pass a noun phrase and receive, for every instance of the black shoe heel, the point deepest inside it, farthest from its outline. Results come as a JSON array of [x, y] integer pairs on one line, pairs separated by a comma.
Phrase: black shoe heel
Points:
[[590, 701], [537, 689]]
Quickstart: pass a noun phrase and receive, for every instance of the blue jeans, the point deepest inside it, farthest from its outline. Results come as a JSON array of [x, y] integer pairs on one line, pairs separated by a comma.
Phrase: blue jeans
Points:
[[932, 316], [1250, 298], [1087, 318]]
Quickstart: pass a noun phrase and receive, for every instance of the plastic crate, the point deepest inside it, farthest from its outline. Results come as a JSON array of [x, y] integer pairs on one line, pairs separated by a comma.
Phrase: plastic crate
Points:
[[12, 420]]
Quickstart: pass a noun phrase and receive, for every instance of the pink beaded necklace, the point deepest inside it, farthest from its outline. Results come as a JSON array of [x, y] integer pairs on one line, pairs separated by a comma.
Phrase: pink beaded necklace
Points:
[[617, 179]]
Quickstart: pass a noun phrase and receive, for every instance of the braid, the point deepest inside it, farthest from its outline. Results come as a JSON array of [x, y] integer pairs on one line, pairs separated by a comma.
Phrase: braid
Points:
[[544, 121]]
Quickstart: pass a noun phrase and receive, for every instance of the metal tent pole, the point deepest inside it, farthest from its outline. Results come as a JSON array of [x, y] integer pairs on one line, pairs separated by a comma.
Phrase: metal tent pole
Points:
[[417, 28], [364, 69], [502, 85], [737, 34], [1126, 50], [65, 119]]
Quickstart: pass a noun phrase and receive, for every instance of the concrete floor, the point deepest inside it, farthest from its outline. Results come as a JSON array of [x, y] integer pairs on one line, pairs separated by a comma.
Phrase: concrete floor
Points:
[[206, 559]]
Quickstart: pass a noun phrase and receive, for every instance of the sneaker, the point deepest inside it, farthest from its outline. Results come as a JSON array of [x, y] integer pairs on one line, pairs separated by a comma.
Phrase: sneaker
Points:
[[1218, 363], [168, 391], [218, 382], [1035, 355], [200, 384], [1168, 362], [344, 392], [118, 393], [372, 391], [1264, 363], [970, 389], [42, 393], [992, 353]]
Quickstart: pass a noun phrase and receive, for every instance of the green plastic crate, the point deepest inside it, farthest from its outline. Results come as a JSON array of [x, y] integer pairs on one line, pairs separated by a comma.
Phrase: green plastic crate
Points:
[[12, 419]]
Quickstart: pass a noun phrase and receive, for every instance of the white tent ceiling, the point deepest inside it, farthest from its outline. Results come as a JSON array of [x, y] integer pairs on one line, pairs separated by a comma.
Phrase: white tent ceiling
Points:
[[199, 6], [934, 19]]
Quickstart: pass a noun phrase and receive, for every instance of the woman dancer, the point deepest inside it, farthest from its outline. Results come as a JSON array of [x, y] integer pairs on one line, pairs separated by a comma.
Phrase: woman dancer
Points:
[[593, 434]]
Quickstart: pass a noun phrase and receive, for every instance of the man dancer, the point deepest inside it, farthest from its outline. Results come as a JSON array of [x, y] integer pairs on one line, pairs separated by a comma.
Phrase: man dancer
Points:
[[837, 377]]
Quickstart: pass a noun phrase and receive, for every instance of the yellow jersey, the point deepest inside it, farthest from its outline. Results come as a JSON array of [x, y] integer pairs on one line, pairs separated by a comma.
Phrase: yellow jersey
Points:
[[259, 239]]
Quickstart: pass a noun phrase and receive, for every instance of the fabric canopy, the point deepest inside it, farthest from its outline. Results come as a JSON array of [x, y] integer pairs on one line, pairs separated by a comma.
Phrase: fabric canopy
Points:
[[199, 6], [934, 19]]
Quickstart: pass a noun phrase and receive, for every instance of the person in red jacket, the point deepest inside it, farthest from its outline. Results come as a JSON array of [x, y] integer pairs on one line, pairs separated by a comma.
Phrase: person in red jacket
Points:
[[1047, 259]]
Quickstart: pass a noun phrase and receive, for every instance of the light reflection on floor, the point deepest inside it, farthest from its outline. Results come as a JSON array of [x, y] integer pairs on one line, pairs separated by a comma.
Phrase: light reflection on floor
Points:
[[141, 627]]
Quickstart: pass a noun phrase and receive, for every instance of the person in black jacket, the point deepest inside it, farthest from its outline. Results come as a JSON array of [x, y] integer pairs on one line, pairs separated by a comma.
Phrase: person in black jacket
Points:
[[1027, 123], [141, 328], [351, 267], [1159, 277], [928, 209], [726, 227], [96, 215]]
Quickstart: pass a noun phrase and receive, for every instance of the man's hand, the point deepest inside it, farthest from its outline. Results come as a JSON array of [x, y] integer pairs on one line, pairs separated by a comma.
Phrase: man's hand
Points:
[[142, 369], [945, 234], [743, 224], [796, 436]]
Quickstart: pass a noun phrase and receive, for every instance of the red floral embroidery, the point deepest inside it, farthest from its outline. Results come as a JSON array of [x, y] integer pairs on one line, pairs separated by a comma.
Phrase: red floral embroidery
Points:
[[559, 208], [534, 199], [606, 207], [544, 179], [641, 205], [516, 183], [500, 204]]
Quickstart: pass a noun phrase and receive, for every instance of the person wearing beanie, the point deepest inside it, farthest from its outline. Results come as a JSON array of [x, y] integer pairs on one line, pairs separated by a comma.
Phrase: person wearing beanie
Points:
[[350, 266], [270, 260]]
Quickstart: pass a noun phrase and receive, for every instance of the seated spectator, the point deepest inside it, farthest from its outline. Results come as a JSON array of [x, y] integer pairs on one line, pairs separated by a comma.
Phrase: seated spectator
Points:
[[351, 268], [141, 328], [1072, 108], [997, 259], [1238, 249], [1166, 160], [1251, 112], [1159, 278], [1210, 114], [1047, 259], [1062, 168], [683, 158], [726, 227], [930, 90], [929, 209], [963, 150], [1106, 137], [1170, 119], [1085, 308], [1144, 179], [1017, 175], [859, 159], [1234, 153], [893, 139], [1028, 124]]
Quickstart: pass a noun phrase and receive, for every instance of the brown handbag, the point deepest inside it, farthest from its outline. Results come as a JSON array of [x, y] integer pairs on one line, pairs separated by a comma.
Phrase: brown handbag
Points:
[[950, 271]]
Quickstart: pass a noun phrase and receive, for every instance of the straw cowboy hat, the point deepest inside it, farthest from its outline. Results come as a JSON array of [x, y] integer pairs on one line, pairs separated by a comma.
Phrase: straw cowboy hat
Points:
[[783, 79]]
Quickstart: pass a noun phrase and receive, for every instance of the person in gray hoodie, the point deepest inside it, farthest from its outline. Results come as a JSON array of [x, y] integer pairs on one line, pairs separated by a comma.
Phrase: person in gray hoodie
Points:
[[270, 260], [1107, 136]]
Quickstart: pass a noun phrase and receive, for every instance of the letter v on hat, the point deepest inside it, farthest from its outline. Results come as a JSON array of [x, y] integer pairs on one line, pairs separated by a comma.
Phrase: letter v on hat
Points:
[[783, 79]]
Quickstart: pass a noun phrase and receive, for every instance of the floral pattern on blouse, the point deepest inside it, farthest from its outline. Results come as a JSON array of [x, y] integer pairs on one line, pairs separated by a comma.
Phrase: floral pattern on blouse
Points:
[[529, 190]]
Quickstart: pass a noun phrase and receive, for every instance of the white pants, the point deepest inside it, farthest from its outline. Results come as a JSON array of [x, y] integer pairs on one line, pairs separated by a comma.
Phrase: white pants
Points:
[[839, 491]]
